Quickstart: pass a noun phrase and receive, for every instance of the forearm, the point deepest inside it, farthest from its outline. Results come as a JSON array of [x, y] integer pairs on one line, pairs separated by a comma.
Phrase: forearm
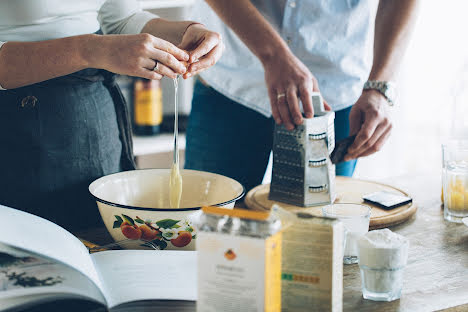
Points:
[[393, 26], [168, 30], [251, 27], [25, 63]]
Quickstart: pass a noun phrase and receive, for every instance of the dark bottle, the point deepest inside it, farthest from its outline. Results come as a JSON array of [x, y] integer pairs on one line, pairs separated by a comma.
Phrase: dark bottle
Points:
[[147, 107]]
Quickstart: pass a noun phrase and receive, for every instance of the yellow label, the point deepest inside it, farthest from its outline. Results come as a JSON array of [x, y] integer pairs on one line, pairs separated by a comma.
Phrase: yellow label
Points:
[[272, 273], [238, 273], [148, 107]]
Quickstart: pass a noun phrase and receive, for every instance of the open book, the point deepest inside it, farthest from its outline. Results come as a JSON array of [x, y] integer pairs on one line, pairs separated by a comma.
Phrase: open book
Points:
[[40, 262]]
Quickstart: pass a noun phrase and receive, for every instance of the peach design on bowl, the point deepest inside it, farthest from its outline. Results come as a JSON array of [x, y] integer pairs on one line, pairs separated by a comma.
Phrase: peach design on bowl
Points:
[[178, 233]]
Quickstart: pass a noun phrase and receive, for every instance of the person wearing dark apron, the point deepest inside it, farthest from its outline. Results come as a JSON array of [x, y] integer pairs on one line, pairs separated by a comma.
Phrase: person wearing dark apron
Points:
[[57, 137], [63, 119]]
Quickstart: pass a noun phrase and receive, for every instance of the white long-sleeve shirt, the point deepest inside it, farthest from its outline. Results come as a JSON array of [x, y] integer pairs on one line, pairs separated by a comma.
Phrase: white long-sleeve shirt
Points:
[[37, 20]]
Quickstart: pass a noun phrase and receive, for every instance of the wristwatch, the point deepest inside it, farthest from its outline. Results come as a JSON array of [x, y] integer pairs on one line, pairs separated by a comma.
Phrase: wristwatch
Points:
[[386, 88]]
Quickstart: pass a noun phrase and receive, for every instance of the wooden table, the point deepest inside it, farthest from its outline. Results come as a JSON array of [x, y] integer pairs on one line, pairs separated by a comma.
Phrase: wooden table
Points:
[[436, 277]]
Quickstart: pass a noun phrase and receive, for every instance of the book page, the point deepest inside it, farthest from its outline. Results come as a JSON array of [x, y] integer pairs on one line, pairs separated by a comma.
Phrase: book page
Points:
[[132, 275], [40, 236], [25, 275], [52, 302], [23, 302], [156, 305]]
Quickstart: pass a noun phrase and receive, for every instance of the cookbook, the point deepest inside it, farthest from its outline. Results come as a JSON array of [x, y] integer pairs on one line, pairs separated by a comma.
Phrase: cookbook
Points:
[[42, 264]]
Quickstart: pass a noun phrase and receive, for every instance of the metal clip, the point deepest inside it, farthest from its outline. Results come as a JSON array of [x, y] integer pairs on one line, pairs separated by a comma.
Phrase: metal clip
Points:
[[29, 101], [317, 163], [318, 189]]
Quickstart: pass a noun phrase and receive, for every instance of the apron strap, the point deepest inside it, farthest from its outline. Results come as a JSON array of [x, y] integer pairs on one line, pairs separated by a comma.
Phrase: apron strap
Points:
[[123, 120]]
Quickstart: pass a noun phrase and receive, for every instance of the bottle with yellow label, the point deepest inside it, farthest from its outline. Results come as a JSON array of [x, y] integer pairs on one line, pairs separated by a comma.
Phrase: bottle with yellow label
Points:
[[147, 107], [239, 260]]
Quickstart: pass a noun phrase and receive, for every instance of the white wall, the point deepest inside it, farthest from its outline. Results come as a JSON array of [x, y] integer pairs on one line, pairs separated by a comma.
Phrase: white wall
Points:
[[433, 99]]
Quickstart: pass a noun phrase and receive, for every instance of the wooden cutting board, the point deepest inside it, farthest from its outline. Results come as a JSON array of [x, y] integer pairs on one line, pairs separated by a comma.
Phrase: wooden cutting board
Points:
[[349, 190]]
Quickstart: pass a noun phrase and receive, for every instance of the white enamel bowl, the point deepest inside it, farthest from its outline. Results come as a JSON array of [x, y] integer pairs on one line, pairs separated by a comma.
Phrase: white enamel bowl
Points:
[[135, 204]]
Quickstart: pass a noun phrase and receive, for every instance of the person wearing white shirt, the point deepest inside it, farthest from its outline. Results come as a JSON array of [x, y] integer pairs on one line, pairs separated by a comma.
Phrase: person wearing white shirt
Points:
[[277, 53], [63, 120]]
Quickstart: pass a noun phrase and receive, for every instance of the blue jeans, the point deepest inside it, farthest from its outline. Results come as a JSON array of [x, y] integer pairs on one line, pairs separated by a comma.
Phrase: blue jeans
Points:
[[228, 138]]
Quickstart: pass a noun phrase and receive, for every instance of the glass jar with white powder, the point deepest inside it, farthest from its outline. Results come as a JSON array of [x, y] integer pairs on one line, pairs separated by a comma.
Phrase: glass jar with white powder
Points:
[[383, 255]]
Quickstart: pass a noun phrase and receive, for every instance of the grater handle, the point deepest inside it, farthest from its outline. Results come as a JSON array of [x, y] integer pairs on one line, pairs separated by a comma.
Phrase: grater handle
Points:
[[317, 102]]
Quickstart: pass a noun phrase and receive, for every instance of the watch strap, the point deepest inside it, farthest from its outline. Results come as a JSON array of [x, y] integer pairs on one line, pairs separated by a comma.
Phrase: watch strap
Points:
[[386, 88]]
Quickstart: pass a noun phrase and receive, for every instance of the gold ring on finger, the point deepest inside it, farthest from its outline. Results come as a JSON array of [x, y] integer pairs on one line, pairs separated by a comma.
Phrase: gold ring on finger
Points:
[[280, 95]]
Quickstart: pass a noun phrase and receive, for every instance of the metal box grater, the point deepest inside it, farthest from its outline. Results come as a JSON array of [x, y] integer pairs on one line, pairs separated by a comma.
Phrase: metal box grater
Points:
[[303, 174]]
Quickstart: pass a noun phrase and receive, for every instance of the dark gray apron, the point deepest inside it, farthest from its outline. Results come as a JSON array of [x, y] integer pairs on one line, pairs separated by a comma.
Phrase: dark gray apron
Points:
[[56, 137]]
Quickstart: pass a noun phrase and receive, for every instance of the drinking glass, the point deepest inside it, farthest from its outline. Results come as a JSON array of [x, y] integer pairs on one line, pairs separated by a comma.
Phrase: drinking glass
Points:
[[455, 180], [355, 218], [382, 275]]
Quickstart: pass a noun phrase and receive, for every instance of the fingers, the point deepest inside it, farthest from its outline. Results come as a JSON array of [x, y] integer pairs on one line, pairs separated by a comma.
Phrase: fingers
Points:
[[381, 129], [274, 106], [283, 110], [168, 60], [355, 120], [355, 152], [315, 88], [374, 143], [160, 69], [306, 100], [136, 55], [148, 74], [191, 73], [165, 71], [208, 43], [206, 61], [377, 146], [168, 47], [363, 136], [147, 63], [293, 104]]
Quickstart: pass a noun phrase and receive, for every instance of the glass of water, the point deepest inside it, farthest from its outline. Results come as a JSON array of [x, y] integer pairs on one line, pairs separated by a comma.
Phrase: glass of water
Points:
[[355, 218], [455, 180]]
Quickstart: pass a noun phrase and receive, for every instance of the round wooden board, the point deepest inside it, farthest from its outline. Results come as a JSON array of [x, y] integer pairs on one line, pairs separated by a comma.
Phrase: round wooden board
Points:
[[348, 190]]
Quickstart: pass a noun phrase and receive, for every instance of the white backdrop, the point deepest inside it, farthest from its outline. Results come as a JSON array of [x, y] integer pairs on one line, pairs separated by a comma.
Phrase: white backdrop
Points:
[[433, 94]]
